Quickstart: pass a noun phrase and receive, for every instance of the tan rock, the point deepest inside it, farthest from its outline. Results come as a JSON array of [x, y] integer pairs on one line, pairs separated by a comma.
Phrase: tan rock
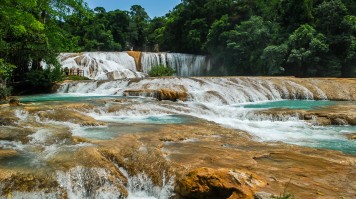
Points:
[[162, 94], [351, 136], [7, 153], [218, 183], [166, 94], [14, 101], [137, 57]]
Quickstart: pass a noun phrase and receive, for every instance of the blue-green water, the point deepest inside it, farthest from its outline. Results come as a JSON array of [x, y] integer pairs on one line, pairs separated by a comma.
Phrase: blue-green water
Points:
[[63, 98], [140, 116], [292, 104], [129, 125]]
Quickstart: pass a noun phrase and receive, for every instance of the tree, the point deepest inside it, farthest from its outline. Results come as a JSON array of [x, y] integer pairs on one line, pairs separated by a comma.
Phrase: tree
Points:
[[348, 56], [138, 26], [306, 50], [156, 29], [5, 74], [27, 33], [246, 44], [274, 57], [293, 13], [332, 20], [329, 15]]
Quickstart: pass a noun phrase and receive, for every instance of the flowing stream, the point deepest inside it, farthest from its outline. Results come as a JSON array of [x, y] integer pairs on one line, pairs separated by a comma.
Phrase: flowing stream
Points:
[[231, 102]]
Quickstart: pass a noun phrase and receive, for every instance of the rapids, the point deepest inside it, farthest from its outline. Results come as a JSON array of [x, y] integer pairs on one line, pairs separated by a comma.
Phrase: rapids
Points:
[[65, 144], [229, 101]]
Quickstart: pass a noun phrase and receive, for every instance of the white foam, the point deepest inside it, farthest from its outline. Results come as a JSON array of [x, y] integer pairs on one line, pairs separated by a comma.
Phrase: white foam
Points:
[[102, 65]]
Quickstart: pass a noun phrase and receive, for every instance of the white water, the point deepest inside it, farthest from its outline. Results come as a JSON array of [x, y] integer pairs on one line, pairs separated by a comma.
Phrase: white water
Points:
[[102, 65], [183, 64], [220, 100], [120, 65], [211, 90], [78, 182]]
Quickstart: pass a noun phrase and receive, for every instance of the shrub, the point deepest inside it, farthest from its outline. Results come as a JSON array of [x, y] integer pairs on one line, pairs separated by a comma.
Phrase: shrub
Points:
[[44, 77], [161, 70], [5, 92]]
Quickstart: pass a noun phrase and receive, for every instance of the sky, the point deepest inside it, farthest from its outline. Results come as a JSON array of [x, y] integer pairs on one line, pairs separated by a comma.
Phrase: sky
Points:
[[154, 8]]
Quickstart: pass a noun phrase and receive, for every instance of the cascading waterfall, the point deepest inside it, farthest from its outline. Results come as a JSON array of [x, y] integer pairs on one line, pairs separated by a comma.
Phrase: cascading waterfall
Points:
[[102, 65], [120, 65], [218, 91], [183, 64]]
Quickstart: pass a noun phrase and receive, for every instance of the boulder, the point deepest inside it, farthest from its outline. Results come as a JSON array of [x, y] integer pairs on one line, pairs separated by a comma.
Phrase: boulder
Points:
[[211, 183]]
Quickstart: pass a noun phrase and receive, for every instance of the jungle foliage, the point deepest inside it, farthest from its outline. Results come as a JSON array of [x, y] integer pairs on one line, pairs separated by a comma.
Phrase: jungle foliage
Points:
[[303, 38], [161, 70]]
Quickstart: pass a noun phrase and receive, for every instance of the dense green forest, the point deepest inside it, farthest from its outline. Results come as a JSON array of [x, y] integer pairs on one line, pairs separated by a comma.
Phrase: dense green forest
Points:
[[303, 38]]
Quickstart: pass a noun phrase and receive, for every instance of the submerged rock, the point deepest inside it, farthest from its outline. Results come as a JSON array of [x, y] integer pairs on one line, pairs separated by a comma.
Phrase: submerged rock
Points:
[[330, 115]]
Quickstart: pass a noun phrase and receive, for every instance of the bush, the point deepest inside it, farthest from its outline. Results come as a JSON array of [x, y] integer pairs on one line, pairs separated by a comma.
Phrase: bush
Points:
[[5, 92], [44, 78], [161, 70]]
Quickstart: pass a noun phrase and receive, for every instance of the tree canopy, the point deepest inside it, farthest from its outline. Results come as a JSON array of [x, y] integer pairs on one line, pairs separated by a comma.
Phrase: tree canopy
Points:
[[303, 38]]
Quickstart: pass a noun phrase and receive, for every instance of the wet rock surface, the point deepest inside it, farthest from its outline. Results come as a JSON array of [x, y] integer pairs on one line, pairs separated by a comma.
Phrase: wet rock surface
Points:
[[161, 94], [351, 136], [330, 115], [205, 159]]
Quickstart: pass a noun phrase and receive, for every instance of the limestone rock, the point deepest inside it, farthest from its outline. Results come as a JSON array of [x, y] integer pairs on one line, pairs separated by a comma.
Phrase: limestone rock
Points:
[[351, 136], [166, 94], [7, 153], [217, 183], [161, 94], [14, 101]]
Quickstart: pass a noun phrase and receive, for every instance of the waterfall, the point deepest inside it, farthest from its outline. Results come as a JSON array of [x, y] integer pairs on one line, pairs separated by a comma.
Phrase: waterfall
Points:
[[120, 65], [183, 64], [102, 65]]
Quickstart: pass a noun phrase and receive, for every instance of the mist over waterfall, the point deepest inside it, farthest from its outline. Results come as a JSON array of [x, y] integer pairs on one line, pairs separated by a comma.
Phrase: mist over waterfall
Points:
[[120, 65]]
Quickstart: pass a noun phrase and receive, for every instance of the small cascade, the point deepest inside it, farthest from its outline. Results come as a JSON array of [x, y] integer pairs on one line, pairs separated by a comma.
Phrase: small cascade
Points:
[[215, 90], [183, 64], [82, 182], [141, 186], [101, 65], [94, 87]]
